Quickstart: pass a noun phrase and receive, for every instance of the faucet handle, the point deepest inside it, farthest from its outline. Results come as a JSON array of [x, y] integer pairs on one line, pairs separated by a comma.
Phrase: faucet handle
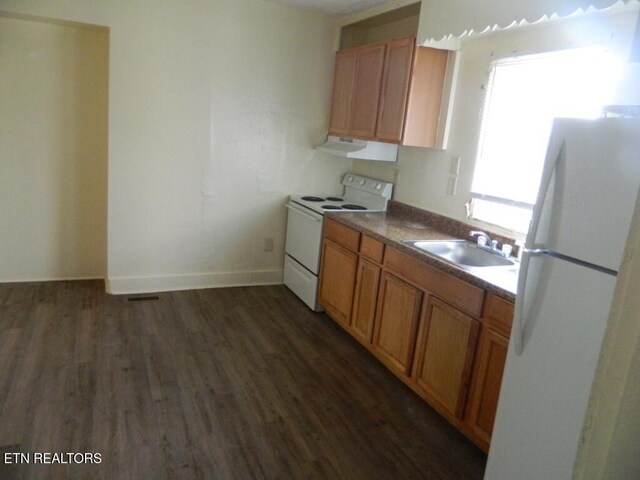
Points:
[[507, 249]]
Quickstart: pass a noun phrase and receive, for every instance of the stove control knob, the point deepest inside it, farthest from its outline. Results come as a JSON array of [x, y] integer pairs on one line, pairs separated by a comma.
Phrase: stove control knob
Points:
[[362, 182], [349, 178], [378, 186]]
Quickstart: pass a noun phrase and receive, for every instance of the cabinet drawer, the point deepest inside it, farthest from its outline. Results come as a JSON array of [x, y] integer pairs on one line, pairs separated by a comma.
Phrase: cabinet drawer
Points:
[[342, 235], [454, 291], [498, 314], [371, 249]]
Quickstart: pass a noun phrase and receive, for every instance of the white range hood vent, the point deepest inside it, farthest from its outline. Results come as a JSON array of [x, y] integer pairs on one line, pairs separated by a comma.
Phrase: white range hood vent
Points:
[[360, 149]]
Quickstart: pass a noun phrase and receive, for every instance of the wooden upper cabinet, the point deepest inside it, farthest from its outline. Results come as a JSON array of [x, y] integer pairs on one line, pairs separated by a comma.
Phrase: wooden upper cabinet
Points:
[[366, 90], [445, 351], [424, 101], [343, 78], [395, 87], [390, 92]]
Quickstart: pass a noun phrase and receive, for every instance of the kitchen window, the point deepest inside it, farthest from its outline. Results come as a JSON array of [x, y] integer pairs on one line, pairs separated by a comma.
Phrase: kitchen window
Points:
[[524, 94]]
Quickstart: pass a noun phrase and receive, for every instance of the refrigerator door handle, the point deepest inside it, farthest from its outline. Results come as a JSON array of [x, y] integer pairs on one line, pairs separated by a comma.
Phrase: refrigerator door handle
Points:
[[537, 251], [554, 152], [520, 317]]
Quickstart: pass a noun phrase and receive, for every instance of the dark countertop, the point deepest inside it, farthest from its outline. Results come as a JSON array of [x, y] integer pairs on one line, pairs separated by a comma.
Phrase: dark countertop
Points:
[[397, 224]]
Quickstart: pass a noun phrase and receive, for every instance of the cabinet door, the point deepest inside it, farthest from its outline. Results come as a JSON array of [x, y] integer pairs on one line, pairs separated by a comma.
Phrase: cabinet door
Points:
[[366, 91], [445, 350], [343, 78], [395, 87], [364, 304], [492, 353], [396, 323], [337, 281], [425, 97]]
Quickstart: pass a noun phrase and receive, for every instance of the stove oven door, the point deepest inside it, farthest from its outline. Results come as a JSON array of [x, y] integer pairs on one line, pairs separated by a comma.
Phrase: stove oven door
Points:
[[304, 236]]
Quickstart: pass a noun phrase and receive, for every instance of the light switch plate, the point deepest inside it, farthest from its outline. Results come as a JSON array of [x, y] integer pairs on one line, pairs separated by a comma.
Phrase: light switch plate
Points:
[[452, 185]]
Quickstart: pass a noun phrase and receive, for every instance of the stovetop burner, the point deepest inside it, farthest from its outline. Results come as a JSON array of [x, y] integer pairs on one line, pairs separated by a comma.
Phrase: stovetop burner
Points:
[[360, 194]]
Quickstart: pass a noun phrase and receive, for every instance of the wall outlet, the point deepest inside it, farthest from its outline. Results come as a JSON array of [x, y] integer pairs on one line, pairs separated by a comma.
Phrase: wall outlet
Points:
[[268, 244]]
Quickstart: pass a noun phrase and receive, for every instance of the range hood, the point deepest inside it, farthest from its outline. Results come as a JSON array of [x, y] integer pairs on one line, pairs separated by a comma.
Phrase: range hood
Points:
[[360, 149]]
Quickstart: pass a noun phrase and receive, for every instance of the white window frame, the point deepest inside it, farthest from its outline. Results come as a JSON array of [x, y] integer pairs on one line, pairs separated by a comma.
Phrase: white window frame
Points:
[[480, 199]]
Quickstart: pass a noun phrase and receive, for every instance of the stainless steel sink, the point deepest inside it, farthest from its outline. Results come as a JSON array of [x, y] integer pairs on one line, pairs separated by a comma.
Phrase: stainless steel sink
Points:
[[463, 254]]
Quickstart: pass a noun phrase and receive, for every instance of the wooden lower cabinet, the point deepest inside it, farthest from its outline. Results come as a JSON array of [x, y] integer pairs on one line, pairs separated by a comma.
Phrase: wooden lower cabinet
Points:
[[396, 323], [364, 303], [410, 316], [444, 355], [337, 281], [492, 354]]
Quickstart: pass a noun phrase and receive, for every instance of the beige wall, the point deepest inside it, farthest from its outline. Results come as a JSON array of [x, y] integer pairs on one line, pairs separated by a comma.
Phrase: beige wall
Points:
[[423, 173], [355, 36], [53, 150], [399, 28], [215, 107]]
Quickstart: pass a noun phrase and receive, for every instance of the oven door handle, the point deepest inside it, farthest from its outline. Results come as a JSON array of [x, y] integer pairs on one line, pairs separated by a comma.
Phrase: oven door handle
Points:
[[308, 215]]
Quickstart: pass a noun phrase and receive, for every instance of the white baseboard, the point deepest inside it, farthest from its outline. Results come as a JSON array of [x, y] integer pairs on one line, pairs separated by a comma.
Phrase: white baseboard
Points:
[[51, 279], [166, 283]]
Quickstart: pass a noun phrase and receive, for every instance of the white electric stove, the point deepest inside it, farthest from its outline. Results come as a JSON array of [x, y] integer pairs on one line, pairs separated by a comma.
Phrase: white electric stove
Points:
[[304, 229]]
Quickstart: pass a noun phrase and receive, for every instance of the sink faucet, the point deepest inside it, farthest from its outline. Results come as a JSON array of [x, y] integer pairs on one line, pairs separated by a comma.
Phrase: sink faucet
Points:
[[486, 242], [487, 239]]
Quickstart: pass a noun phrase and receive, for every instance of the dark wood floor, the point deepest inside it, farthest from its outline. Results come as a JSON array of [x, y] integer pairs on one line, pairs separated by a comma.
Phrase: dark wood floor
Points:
[[235, 383]]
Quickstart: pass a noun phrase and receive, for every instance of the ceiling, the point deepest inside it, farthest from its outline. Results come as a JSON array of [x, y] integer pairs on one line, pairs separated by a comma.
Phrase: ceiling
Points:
[[334, 8]]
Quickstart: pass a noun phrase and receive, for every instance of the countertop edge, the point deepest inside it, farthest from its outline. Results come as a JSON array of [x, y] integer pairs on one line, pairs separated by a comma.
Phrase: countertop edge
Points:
[[358, 222]]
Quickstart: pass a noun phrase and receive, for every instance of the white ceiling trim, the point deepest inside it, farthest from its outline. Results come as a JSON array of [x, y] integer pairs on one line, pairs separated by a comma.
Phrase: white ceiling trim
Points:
[[385, 7], [333, 8], [444, 23]]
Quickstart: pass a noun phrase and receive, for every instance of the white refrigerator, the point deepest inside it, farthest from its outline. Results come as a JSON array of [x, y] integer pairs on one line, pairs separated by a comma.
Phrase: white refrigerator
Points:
[[567, 278]]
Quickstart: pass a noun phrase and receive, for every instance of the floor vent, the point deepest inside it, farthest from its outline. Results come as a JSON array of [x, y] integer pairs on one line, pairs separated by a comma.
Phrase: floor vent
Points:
[[147, 298]]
